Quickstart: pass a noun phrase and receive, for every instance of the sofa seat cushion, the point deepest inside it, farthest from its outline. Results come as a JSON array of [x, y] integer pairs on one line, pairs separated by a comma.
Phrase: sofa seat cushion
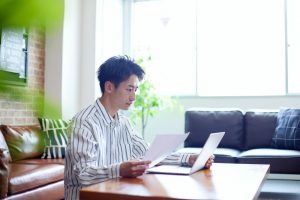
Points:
[[47, 192], [281, 161], [222, 155], [266, 152], [40, 161], [28, 176]]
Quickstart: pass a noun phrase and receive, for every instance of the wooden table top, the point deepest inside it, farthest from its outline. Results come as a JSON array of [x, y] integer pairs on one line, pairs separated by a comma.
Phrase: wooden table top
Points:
[[222, 181]]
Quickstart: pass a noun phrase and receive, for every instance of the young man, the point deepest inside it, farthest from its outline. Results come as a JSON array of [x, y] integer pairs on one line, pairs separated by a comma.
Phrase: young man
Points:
[[102, 143]]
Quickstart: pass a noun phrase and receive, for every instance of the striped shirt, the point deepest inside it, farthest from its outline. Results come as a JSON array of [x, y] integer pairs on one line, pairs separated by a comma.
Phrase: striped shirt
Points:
[[97, 145]]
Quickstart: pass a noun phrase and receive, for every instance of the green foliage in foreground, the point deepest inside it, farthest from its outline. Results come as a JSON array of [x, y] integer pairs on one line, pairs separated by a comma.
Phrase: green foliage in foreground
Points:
[[33, 97], [24, 13], [29, 13]]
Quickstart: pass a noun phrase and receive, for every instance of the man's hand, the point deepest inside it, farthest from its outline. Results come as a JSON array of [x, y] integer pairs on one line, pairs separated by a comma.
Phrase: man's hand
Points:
[[208, 163], [133, 168]]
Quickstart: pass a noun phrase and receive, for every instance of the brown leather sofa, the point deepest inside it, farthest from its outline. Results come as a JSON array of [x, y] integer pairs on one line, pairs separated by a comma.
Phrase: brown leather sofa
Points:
[[247, 139], [23, 173]]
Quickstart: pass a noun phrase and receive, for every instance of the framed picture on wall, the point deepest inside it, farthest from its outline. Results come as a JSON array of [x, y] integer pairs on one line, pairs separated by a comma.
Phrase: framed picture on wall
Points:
[[13, 55]]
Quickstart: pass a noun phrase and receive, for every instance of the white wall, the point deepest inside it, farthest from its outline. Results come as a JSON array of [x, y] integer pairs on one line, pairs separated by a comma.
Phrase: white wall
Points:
[[77, 48], [70, 58], [53, 69], [88, 47]]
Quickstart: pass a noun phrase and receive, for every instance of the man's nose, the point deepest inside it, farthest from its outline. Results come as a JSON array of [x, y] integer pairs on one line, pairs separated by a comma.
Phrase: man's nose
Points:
[[132, 96]]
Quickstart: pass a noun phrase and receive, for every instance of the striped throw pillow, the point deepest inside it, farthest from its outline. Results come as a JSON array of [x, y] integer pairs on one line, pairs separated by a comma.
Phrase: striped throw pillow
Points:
[[56, 137]]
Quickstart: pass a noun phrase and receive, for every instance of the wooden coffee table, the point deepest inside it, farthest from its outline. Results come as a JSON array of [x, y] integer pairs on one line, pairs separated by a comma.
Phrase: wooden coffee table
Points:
[[222, 181]]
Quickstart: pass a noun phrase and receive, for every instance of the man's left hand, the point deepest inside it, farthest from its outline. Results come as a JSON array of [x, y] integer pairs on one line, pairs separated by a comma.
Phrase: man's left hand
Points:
[[208, 163]]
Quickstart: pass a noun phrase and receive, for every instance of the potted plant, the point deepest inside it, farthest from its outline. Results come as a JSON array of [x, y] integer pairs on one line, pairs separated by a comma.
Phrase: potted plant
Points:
[[148, 103]]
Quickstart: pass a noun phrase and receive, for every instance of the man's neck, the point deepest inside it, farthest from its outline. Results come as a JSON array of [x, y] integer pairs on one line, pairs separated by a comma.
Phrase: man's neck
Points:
[[106, 102]]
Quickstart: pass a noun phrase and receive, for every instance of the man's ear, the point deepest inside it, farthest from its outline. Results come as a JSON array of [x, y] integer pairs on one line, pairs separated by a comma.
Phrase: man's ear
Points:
[[109, 86]]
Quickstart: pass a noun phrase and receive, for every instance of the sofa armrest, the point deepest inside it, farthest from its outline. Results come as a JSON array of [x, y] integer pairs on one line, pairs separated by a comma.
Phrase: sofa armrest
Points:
[[4, 171]]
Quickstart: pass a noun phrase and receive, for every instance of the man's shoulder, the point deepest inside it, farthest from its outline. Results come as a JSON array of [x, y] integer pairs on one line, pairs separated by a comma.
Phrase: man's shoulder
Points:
[[85, 115]]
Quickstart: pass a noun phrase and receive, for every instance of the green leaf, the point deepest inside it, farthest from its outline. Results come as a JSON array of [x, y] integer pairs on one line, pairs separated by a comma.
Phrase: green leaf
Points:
[[24, 13]]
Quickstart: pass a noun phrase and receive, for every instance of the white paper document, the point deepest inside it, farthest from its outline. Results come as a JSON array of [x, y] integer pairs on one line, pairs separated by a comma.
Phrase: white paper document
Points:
[[162, 146]]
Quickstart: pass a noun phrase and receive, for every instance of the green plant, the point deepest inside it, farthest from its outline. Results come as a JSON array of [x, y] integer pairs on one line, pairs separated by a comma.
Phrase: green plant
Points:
[[148, 103], [25, 13], [29, 13]]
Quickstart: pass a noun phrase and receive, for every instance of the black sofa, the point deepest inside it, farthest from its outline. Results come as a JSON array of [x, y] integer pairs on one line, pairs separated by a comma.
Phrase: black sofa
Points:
[[247, 139]]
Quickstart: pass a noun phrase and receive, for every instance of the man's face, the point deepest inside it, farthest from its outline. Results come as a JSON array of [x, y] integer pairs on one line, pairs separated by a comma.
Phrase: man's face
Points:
[[124, 95]]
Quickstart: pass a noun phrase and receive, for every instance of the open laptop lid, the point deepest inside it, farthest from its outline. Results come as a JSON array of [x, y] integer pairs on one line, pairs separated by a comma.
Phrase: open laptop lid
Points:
[[208, 149]]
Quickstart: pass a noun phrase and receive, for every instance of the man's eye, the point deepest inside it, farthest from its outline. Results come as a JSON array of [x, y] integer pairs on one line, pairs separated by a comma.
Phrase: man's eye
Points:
[[129, 89]]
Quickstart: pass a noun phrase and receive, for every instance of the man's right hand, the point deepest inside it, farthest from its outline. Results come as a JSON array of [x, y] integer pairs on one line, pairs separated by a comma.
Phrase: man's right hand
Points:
[[133, 168]]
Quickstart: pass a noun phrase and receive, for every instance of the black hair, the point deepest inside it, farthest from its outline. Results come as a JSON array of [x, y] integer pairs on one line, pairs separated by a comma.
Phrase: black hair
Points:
[[118, 69]]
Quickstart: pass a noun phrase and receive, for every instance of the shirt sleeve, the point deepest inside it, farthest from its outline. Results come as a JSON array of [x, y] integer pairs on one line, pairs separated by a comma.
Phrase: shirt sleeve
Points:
[[83, 161], [177, 159], [140, 146]]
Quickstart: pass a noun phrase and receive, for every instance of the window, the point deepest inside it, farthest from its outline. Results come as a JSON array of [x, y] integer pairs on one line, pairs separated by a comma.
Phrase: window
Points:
[[169, 37], [293, 43], [219, 47]]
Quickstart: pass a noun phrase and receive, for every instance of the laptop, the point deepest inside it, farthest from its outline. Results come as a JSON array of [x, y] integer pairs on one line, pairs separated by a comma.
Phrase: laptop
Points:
[[208, 149]]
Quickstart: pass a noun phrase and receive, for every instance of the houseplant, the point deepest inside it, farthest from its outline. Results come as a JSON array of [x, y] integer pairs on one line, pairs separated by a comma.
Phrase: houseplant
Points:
[[148, 103]]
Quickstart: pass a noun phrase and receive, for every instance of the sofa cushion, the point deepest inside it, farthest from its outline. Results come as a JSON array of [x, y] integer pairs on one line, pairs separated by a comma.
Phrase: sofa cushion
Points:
[[201, 122], [281, 160], [259, 128], [287, 132], [47, 192], [56, 138], [23, 141], [28, 176]]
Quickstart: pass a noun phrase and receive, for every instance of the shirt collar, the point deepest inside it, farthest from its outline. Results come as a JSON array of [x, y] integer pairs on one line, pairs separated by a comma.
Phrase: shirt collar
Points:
[[108, 120]]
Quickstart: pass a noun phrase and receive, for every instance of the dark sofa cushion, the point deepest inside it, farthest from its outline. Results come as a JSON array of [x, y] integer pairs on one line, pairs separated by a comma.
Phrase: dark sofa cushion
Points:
[[281, 161], [23, 141], [287, 132], [201, 122], [259, 128]]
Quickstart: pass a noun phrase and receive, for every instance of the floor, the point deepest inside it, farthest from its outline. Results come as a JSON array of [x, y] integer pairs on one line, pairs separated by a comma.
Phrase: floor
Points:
[[280, 190]]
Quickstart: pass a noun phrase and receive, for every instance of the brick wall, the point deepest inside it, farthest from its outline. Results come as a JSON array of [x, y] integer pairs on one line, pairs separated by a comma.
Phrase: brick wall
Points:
[[19, 112]]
